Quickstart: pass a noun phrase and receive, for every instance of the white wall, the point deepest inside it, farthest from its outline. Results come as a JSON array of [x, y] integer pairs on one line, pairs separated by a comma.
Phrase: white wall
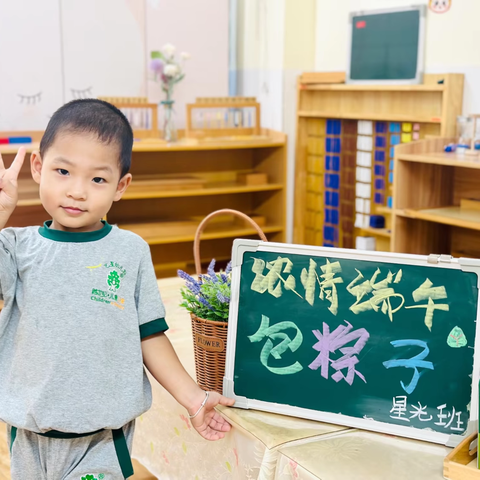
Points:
[[30, 63], [451, 40], [261, 42], [65, 49], [103, 48], [201, 29]]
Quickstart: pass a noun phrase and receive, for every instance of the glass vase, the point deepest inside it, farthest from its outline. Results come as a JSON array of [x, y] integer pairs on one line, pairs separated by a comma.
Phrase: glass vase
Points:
[[169, 129]]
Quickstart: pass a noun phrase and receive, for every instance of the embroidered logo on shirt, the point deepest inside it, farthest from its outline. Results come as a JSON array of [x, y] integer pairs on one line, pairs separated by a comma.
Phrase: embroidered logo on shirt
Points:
[[113, 281], [90, 477]]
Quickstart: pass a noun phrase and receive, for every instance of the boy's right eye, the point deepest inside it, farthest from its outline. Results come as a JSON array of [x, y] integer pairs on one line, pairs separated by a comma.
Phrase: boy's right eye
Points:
[[62, 171]]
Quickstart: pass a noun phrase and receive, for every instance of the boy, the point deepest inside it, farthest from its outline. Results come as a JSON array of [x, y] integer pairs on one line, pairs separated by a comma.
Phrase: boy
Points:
[[82, 312]]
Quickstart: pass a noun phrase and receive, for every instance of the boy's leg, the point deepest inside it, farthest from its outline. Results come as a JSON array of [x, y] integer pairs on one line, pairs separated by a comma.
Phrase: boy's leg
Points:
[[103, 456], [27, 458]]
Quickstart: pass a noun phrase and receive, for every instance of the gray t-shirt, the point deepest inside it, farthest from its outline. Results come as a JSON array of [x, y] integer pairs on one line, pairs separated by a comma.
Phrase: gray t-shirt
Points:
[[76, 308]]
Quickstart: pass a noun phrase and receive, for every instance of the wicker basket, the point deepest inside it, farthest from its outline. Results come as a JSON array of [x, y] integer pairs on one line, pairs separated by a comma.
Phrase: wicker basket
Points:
[[210, 337]]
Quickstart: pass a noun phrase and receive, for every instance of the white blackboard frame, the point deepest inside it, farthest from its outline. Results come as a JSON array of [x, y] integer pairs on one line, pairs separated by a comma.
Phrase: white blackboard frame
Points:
[[241, 246], [418, 79]]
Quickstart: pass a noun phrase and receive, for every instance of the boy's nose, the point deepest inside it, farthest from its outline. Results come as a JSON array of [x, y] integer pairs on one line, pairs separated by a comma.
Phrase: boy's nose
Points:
[[77, 191]]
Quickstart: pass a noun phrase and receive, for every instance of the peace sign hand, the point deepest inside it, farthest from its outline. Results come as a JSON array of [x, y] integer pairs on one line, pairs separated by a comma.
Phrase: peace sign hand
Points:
[[9, 185]]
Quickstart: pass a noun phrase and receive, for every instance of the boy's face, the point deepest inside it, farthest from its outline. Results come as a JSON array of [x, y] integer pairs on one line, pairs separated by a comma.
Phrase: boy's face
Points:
[[79, 179]]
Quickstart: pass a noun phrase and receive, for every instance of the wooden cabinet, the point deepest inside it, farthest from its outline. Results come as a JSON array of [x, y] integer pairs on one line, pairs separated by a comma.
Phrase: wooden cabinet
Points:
[[436, 200], [346, 136], [176, 185]]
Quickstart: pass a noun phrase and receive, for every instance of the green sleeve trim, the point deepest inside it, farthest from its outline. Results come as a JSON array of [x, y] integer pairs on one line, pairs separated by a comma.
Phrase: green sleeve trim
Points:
[[153, 327], [13, 436]]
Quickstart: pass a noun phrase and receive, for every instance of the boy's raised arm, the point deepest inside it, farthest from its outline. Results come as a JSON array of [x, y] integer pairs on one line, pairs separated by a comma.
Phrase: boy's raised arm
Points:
[[9, 186]]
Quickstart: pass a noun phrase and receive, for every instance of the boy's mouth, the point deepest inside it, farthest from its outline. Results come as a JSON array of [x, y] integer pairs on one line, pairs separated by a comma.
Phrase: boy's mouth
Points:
[[73, 210]]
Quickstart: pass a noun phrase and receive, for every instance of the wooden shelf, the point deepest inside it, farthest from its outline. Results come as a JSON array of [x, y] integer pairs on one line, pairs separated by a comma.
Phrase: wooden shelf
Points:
[[369, 116], [137, 190], [437, 199], [186, 180], [380, 232], [455, 216], [432, 105], [229, 143], [375, 88], [158, 233], [28, 193], [382, 210], [267, 139], [439, 158]]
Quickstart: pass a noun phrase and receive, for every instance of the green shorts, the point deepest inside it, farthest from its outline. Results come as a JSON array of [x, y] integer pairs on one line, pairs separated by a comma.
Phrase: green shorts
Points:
[[101, 455]]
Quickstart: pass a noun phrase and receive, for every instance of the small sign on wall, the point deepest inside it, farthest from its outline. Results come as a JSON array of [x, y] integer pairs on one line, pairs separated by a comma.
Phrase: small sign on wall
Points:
[[439, 6]]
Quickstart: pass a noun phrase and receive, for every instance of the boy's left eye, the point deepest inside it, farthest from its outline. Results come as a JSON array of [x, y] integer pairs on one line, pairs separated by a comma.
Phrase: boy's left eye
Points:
[[99, 180]]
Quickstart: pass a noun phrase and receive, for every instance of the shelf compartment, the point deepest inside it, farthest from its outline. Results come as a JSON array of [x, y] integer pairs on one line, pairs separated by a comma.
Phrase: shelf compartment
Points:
[[454, 216], [158, 233]]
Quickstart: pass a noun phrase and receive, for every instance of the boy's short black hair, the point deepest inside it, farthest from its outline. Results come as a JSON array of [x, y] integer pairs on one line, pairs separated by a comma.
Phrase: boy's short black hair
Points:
[[93, 116]]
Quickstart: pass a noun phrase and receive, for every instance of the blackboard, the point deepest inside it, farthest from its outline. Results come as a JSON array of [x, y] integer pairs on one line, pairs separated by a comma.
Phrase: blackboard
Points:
[[386, 45], [372, 340]]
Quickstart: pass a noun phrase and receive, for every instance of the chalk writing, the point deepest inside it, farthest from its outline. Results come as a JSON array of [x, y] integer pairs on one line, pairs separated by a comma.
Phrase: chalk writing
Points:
[[328, 289], [416, 362], [330, 342], [276, 332], [272, 282], [381, 291], [426, 292]]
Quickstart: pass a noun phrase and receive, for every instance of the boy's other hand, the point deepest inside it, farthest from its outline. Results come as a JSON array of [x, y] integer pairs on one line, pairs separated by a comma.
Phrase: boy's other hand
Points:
[[9, 184], [209, 423]]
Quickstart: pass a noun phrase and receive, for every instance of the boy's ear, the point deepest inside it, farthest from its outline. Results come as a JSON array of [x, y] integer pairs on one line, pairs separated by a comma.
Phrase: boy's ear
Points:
[[122, 186], [36, 166]]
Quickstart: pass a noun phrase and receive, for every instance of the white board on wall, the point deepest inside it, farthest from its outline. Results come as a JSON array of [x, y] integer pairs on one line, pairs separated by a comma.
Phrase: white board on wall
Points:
[[30, 67]]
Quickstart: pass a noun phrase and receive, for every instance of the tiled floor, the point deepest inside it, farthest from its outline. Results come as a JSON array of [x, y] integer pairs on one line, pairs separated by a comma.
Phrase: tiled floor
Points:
[[141, 473]]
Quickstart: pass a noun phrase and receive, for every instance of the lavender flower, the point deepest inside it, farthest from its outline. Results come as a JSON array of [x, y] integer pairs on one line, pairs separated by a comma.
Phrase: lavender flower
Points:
[[205, 302], [222, 298], [224, 278], [193, 287], [211, 271], [186, 276], [229, 268]]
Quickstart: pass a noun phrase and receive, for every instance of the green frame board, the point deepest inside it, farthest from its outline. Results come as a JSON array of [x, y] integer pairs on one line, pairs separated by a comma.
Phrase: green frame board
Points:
[[386, 46], [373, 340]]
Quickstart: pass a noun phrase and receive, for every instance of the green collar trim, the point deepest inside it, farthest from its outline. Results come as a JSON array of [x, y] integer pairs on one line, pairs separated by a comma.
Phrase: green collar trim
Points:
[[73, 237]]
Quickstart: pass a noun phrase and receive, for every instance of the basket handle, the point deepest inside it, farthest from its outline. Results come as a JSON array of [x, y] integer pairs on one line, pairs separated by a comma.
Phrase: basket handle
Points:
[[196, 242]]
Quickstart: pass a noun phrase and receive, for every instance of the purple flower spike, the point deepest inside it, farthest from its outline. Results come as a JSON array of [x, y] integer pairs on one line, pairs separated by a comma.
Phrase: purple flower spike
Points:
[[224, 278], [205, 302], [222, 298], [186, 276], [194, 287], [211, 271], [229, 268]]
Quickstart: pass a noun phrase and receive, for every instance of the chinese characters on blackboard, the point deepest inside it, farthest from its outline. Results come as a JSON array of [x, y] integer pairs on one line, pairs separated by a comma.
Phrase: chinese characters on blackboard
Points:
[[376, 294]]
